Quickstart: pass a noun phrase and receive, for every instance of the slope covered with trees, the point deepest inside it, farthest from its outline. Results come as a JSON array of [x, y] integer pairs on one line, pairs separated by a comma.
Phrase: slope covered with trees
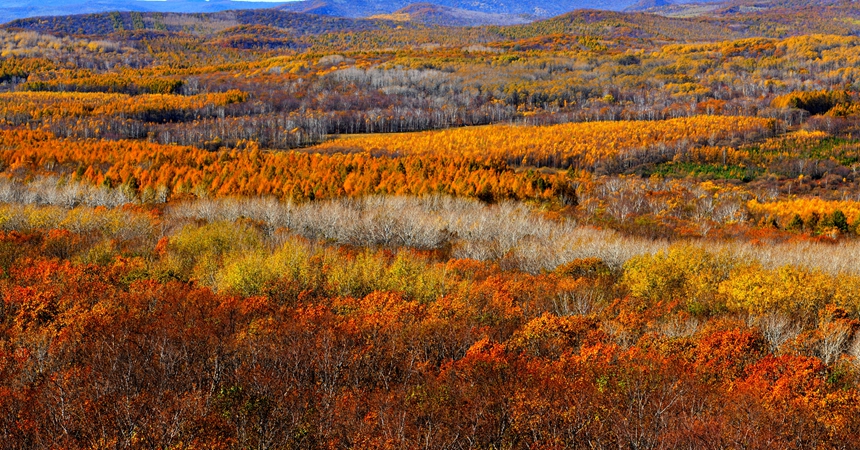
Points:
[[269, 230]]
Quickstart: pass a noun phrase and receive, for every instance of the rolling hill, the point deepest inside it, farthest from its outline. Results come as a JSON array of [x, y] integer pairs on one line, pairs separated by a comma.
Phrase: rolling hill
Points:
[[431, 14], [434, 12], [204, 24], [363, 8], [18, 9], [681, 23]]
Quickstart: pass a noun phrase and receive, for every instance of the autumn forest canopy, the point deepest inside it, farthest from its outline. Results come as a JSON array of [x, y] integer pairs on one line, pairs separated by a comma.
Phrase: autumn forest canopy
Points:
[[273, 229]]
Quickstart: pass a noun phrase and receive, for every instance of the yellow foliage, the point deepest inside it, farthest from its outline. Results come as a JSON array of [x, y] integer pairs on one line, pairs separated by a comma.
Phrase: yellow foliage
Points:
[[246, 274], [784, 210], [793, 290], [198, 253], [682, 273]]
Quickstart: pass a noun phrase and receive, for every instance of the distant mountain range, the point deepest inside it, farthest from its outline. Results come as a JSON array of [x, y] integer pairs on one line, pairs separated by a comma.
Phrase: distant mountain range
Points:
[[461, 12], [16, 9], [703, 7], [432, 14], [533, 8], [429, 12], [203, 24], [276, 28]]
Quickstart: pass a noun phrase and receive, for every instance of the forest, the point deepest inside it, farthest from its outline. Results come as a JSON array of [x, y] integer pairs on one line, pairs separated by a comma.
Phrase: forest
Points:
[[274, 230]]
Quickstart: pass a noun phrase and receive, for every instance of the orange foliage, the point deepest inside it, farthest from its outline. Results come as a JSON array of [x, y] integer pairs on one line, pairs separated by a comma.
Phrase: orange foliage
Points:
[[785, 210], [20, 107], [485, 361], [297, 175], [582, 145]]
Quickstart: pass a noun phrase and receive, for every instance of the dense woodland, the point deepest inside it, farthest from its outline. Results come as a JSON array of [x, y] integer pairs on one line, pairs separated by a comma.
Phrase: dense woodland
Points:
[[264, 229]]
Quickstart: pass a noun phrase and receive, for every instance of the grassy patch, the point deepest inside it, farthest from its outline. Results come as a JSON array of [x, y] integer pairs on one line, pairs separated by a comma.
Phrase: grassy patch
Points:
[[707, 171]]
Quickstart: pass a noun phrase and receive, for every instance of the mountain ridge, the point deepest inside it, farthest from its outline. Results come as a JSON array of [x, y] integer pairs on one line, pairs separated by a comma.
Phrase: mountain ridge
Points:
[[19, 9], [432, 14], [363, 8], [676, 22]]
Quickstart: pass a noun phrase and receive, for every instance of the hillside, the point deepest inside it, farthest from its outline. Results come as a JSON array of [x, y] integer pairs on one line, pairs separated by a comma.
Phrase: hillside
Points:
[[643, 5], [425, 23], [684, 8], [776, 22], [199, 24], [363, 8], [19, 9], [430, 14], [434, 227], [437, 12]]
